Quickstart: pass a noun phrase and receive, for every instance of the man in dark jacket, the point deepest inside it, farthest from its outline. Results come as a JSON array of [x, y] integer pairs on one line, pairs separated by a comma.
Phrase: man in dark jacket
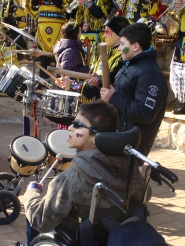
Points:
[[140, 91]]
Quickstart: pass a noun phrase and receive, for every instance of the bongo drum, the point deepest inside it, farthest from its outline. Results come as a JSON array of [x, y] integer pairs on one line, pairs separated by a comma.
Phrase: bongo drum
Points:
[[26, 154], [56, 142]]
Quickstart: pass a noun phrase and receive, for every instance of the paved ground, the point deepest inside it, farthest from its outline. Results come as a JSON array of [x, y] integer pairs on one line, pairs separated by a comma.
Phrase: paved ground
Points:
[[167, 209]]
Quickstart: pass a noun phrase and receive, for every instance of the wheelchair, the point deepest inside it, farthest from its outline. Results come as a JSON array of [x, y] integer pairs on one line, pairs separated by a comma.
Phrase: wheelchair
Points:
[[114, 143]]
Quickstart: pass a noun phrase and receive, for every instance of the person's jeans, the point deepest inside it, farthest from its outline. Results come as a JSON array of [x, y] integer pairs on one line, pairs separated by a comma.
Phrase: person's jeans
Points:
[[30, 233]]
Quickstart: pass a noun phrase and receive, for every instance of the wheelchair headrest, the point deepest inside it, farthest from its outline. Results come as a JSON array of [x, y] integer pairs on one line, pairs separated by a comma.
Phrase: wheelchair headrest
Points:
[[113, 143]]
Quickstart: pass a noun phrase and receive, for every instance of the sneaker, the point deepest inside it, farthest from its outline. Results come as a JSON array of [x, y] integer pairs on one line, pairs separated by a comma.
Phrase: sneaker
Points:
[[19, 244], [179, 110]]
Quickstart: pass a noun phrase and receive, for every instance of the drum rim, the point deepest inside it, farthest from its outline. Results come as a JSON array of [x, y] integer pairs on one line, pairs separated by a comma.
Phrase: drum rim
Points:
[[65, 159], [54, 91], [21, 161]]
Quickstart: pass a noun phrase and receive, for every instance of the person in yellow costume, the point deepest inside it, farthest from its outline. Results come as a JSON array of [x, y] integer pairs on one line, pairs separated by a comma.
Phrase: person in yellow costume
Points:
[[6, 55], [50, 20], [32, 13], [10, 17], [20, 14], [177, 67], [91, 88], [91, 15]]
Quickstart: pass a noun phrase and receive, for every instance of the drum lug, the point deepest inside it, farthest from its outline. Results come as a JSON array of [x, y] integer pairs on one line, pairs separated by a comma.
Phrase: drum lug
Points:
[[9, 158], [18, 173], [73, 105]]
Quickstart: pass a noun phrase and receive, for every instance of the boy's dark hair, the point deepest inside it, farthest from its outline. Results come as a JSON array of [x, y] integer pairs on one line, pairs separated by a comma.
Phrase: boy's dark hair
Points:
[[101, 115], [121, 20], [117, 23], [70, 30], [138, 32]]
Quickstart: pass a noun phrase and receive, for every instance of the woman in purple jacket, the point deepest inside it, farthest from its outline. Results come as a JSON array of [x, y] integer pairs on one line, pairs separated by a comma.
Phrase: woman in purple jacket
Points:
[[71, 55]]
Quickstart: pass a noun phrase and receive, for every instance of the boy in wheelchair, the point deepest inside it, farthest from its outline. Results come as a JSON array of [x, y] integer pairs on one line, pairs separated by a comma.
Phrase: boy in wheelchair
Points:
[[73, 188]]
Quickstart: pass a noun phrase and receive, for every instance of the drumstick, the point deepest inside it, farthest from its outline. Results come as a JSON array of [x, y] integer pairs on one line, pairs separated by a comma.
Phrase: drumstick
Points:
[[27, 62], [44, 70], [59, 157], [105, 67], [72, 74]]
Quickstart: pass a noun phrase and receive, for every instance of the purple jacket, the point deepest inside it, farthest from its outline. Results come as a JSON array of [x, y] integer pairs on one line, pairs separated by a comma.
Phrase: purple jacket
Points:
[[71, 55]]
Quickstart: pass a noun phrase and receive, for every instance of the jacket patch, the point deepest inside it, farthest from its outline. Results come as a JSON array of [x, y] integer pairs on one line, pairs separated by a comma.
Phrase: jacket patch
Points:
[[150, 102], [153, 90]]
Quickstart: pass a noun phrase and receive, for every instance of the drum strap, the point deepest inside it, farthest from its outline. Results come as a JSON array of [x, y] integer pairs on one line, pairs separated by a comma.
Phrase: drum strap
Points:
[[74, 166]]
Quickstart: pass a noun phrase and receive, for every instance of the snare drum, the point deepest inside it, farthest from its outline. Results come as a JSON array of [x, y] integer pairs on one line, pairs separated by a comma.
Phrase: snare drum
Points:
[[40, 83], [56, 142], [26, 154], [13, 81], [60, 103]]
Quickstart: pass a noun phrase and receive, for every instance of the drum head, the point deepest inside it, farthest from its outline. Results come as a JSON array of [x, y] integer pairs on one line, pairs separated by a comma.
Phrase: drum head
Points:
[[29, 149], [57, 143], [62, 92]]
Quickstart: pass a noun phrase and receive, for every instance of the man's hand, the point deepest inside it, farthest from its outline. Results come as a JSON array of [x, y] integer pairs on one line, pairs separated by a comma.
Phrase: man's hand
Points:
[[63, 82], [94, 80], [86, 3], [35, 185], [107, 93], [81, 2]]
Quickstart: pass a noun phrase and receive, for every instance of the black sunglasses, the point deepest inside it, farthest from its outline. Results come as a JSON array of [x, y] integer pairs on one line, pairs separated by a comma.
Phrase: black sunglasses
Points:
[[78, 124]]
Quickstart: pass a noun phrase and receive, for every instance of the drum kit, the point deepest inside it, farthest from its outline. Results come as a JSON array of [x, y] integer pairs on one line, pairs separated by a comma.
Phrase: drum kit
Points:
[[25, 86], [20, 81], [29, 155]]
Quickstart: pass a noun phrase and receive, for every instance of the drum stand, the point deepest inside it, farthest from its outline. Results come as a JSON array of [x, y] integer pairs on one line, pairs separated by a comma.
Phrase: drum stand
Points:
[[9, 203], [29, 97], [1, 53]]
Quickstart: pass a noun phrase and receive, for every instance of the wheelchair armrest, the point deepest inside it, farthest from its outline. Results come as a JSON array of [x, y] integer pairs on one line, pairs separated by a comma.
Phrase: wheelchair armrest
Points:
[[114, 197], [113, 143], [66, 234]]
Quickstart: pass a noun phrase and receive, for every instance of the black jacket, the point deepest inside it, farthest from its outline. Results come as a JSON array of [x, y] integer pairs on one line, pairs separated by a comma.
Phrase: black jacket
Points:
[[141, 97], [90, 91]]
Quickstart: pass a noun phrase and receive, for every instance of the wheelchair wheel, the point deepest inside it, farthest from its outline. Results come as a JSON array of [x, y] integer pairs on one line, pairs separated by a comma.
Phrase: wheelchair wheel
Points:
[[5, 178], [50, 239], [46, 244], [10, 207]]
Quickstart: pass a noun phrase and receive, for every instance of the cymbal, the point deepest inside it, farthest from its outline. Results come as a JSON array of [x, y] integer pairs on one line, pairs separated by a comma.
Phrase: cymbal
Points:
[[11, 40], [19, 31], [34, 52]]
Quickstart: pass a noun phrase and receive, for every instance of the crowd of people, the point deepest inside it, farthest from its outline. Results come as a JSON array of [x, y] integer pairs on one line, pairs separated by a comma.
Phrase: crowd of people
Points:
[[177, 66], [137, 96]]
